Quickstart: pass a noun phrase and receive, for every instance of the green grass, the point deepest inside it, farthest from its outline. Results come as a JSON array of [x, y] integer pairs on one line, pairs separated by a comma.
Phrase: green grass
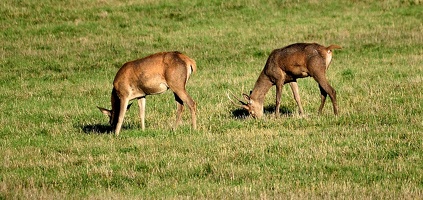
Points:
[[58, 60]]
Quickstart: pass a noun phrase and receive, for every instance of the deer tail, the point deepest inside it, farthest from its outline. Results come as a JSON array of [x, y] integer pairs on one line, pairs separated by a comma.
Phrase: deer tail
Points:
[[190, 64], [333, 46]]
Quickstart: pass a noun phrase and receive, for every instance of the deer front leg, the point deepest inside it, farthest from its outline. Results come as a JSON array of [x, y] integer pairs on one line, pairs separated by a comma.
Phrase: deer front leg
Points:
[[279, 87], [141, 105], [295, 92], [122, 111]]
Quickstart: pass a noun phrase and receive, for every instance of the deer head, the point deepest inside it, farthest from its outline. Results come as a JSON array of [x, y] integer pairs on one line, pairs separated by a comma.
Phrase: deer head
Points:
[[107, 112], [110, 114], [254, 107]]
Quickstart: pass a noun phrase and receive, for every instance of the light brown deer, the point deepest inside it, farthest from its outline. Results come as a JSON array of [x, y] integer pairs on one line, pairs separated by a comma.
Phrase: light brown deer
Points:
[[286, 65], [151, 75]]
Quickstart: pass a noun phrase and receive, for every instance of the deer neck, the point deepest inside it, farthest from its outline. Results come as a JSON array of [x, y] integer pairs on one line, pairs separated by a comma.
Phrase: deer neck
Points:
[[115, 107], [261, 87]]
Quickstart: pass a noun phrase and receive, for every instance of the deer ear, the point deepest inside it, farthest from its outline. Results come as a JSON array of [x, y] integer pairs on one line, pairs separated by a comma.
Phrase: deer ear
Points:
[[246, 97], [105, 111]]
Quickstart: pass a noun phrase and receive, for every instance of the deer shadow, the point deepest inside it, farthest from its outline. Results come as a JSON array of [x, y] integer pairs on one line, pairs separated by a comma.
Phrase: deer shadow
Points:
[[240, 113], [97, 129], [102, 129], [283, 110]]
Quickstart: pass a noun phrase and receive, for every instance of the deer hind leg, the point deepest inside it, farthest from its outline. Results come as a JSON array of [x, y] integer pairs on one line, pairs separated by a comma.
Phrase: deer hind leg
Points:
[[141, 105], [296, 93], [318, 72], [323, 95], [182, 98], [121, 115], [179, 110], [326, 89]]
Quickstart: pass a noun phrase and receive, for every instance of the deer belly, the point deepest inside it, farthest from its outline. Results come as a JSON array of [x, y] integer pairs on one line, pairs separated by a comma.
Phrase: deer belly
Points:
[[299, 73], [157, 88]]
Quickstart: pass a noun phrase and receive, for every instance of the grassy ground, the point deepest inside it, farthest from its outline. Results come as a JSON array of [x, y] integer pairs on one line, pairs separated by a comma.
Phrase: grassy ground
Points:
[[58, 60]]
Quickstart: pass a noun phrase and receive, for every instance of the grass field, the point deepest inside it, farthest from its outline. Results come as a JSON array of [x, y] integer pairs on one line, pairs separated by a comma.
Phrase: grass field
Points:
[[58, 60]]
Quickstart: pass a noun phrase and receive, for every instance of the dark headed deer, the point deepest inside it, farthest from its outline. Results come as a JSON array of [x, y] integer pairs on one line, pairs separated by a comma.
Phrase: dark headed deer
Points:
[[151, 75], [286, 65]]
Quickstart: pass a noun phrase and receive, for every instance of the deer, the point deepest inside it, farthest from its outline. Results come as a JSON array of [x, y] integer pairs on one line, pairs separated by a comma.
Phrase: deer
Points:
[[286, 65], [151, 75]]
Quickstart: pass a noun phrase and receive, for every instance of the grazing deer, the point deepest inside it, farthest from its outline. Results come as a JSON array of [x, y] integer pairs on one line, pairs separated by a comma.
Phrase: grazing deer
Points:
[[151, 75], [286, 65]]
